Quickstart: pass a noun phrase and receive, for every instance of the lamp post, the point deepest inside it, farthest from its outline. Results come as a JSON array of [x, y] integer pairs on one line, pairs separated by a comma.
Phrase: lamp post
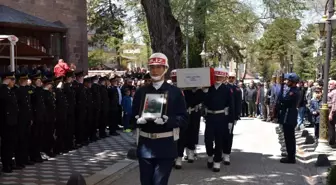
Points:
[[203, 56], [323, 147]]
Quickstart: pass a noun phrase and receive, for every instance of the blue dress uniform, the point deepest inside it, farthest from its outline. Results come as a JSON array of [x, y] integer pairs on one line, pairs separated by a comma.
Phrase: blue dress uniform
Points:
[[156, 156], [218, 103], [235, 111], [157, 140], [288, 116]]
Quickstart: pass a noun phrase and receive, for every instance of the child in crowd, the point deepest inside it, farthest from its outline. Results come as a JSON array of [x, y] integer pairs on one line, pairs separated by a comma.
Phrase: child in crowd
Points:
[[126, 104]]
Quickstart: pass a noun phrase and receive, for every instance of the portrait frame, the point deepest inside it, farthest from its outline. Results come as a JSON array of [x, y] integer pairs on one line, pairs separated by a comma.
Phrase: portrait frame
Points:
[[154, 105]]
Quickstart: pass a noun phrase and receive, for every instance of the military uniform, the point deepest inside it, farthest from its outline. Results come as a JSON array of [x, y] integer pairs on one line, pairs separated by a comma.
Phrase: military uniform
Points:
[[39, 119], [113, 108], [219, 120], [89, 124], [96, 97], [288, 116], [25, 119], [49, 128], [61, 116], [157, 146], [9, 111], [104, 108], [80, 111], [70, 95]]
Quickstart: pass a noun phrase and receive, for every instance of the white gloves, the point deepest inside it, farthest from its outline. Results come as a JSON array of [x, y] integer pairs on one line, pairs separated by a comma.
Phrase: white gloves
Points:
[[59, 86], [161, 121], [205, 90], [226, 111], [140, 120], [230, 126]]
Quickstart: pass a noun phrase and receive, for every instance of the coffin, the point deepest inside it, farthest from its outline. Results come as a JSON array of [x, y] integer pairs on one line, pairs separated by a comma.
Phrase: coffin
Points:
[[195, 77]]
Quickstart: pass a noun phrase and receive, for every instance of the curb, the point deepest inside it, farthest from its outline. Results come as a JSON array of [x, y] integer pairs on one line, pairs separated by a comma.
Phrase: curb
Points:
[[111, 173]]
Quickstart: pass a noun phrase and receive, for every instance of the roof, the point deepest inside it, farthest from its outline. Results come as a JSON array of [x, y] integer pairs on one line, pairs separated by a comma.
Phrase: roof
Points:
[[12, 16]]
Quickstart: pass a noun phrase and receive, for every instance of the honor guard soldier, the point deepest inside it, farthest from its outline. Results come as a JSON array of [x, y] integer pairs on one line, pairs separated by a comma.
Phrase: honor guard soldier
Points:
[[25, 120], [39, 118], [288, 115], [237, 99], [70, 95], [61, 115], [80, 109], [9, 111], [218, 103], [49, 127], [96, 97], [104, 107], [113, 107], [89, 125], [157, 146]]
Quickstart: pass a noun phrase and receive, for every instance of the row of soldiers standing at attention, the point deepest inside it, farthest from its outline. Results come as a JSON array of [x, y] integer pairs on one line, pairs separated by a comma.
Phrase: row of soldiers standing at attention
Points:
[[221, 107], [54, 115]]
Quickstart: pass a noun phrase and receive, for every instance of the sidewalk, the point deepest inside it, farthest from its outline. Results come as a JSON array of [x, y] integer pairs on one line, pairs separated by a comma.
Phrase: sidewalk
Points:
[[92, 161]]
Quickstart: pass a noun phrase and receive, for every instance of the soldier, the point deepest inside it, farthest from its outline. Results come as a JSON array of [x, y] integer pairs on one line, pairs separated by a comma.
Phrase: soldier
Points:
[[157, 147], [288, 115], [61, 116], [96, 97], [39, 118], [25, 120], [49, 128], [237, 99], [219, 122], [9, 111], [89, 125], [104, 107], [113, 106], [80, 109], [70, 95]]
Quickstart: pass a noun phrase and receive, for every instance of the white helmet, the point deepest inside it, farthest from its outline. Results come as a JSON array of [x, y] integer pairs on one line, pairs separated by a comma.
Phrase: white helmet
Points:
[[232, 74], [220, 72], [158, 59]]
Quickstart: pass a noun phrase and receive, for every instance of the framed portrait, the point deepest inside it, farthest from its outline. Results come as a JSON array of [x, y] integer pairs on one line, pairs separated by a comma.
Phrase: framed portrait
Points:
[[154, 105]]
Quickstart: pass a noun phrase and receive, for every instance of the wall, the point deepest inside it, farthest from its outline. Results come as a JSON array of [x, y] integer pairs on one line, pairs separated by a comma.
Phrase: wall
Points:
[[72, 13]]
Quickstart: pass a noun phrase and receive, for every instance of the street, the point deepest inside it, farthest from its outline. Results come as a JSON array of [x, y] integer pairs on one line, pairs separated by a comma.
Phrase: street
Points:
[[254, 161]]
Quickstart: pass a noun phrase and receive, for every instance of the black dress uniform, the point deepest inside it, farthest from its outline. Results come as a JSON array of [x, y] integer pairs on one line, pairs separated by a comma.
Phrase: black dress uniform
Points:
[[104, 109], [39, 118], [80, 111], [113, 108], [49, 128], [89, 124], [288, 116], [71, 100], [9, 111], [61, 116], [156, 155], [96, 97], [25, 119]]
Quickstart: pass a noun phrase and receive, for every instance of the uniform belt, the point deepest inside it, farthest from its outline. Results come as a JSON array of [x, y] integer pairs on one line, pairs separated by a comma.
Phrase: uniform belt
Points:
[[225, 111], [156, 135]]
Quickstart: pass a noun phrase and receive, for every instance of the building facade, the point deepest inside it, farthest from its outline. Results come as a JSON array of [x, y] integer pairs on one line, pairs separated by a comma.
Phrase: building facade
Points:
[[57, 28]]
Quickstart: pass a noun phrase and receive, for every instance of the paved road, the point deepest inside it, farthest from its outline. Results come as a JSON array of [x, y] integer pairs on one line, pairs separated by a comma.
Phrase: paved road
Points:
[[254, 161]]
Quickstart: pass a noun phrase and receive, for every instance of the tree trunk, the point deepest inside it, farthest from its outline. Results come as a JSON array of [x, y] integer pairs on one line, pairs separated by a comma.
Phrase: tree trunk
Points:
[[164, 31]]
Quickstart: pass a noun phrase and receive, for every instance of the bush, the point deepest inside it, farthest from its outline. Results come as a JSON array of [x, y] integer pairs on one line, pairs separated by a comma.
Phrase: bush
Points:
[[331, 178]]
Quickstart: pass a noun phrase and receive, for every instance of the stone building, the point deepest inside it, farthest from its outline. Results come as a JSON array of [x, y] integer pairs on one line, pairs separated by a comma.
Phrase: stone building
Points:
[[47, 30]]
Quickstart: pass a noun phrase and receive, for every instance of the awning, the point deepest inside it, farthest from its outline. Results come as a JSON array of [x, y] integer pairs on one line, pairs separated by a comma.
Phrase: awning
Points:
[[10, 17]]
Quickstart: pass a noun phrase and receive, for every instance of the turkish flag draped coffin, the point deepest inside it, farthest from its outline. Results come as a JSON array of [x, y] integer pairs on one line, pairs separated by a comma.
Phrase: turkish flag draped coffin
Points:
[[212, 76]]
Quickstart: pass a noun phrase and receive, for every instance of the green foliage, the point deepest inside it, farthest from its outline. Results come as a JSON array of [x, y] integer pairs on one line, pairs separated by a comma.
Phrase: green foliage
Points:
[[98, 57], [105, 18], [285, 8], [331, 179]]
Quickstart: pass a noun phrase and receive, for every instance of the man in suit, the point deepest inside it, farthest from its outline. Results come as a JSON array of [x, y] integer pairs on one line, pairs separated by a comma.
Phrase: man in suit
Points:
[[114, 107], [244, 111]]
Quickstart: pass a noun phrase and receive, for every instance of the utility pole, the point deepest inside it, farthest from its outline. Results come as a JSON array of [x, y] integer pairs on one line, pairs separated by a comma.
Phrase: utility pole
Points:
[[187, 39]]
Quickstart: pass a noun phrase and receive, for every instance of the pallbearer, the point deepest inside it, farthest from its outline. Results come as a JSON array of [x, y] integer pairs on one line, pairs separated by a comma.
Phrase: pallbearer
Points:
[[218, 102], [157, 146], [70, 95], [237, 99], [96, 97], [89, 125]]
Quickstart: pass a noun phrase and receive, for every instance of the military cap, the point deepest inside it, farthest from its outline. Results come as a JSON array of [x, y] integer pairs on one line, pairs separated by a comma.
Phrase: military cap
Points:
[[69, 74], [292, 77], [87, 79], [47, 81], [79, 73], [95, 77], [8, 75], [56, 79], [147, 76], [22, 76], [102, 78], [35, 76]]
